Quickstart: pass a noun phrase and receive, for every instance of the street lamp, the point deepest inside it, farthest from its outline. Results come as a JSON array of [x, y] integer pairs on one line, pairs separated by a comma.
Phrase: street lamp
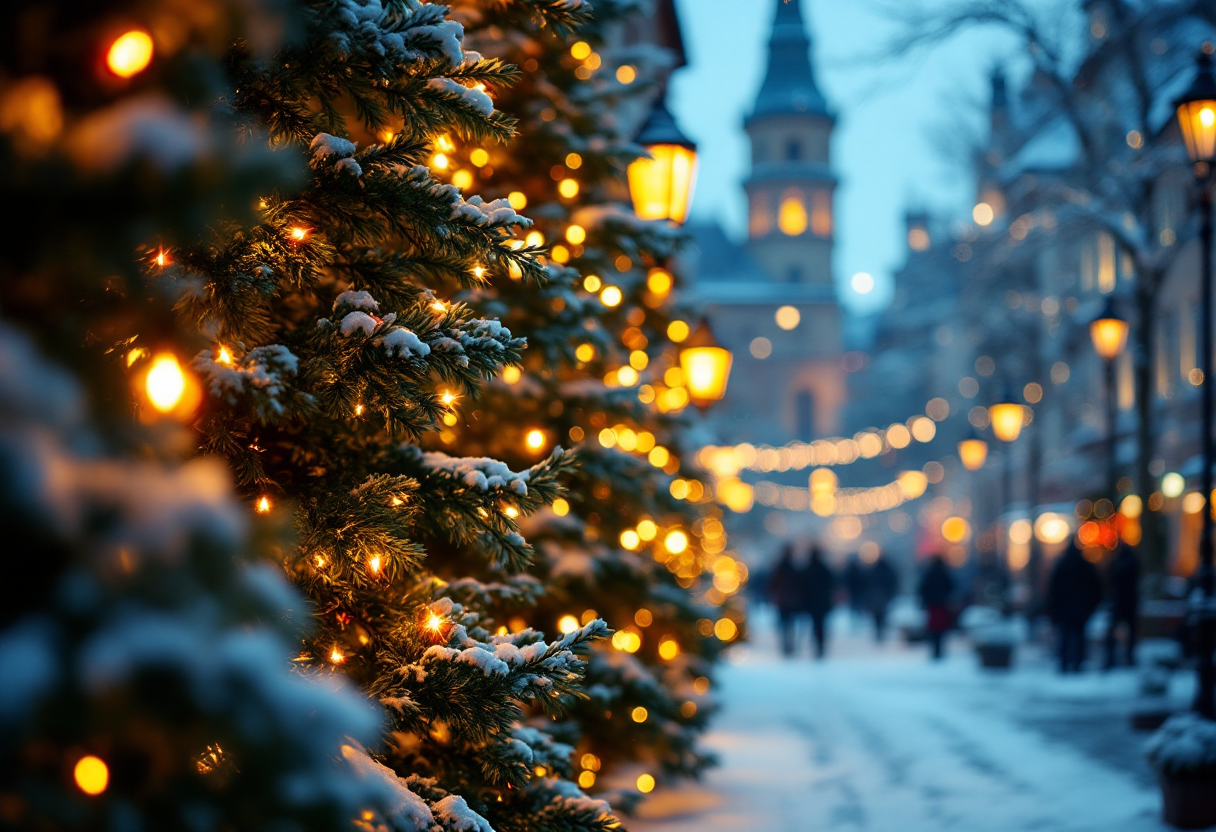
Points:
[[1007, 417], [1196, 110], [973, 451], [1108, 331], [661, 185], [706, 365]]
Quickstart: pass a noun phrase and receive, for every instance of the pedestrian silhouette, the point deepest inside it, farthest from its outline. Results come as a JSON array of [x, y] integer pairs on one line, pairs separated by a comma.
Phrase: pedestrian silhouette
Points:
[[854, 579], [819, 587], [936, 590], [882, 585], [1073, 594], [1123, 594], [786, 594]]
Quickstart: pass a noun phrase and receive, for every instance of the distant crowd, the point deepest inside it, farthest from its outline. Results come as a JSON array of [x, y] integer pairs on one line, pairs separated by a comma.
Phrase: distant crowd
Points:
[[804, 589]]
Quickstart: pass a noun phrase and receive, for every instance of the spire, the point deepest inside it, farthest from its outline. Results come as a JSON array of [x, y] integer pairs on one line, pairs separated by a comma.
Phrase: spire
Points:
[[789, 84]]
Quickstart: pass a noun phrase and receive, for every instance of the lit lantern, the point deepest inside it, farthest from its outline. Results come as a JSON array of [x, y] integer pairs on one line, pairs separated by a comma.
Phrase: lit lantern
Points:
[[1109, 331], [973, 451], [661, 185], [706, 366], [1007, 417], [1196, 109]]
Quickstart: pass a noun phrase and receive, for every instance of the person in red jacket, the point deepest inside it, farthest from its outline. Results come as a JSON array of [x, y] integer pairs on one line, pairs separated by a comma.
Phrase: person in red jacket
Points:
[[936, 590]]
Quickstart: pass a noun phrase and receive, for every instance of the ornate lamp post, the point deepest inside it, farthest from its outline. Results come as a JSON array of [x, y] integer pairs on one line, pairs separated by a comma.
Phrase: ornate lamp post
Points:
[[706, 365], [661, 185], [1196, 110], [1007, 417], [1108, 331]]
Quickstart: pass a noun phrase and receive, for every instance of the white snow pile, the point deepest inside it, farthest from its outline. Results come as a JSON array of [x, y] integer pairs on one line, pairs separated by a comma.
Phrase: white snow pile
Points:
[[477, 471], [501, 654], [476, 99], [259, 373], [397, 341], [405, 810], [1185, 745], [457, 816], [575, 801], [495, 212], [325, 147], [151, 127]]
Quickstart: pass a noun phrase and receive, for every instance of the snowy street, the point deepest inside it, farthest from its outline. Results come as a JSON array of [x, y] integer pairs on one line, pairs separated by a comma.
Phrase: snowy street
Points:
[[880, 739]]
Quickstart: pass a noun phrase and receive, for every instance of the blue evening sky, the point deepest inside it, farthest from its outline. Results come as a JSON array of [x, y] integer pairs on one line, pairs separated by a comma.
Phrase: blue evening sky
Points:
[[892, 117]]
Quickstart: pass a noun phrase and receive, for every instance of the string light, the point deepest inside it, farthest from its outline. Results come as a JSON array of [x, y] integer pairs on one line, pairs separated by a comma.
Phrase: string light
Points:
[[535, 439], [130, 53], [567, 624], [224, 356], [435, 622], [92, 775], [645, 783], [639, 714], [166, 383], [568, 188], [298, 234], [263, 505], [373, 564], [611, 296], [162, 258], [336, 656]]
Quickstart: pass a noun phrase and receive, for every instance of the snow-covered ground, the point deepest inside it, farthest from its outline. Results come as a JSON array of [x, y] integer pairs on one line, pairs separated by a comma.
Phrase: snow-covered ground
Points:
[[881, 739]]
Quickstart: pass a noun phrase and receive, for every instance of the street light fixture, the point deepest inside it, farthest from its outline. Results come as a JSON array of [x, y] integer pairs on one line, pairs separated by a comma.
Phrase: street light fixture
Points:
[[706, 365], [661, 184], [1108, 331], [1007, 417], [973, 451], [1196, 110]]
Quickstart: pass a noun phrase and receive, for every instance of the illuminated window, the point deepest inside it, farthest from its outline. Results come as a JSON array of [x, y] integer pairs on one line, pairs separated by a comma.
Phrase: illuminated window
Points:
[[821, 214], [804, 415], [918, 238], [792, 218], [1106, 262], [793, 150], [761, 220], [1127, 382]]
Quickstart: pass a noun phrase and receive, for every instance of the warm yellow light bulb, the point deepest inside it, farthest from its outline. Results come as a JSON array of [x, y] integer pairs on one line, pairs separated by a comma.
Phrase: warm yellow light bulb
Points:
[[676, 542], [130, 53], [645, 783], [299, 234], [611, 296], [92, 775], [166, 383], [568, 188], [535, 439], [336, 656], [373, 564], [434, 623], [223, 356], [263, 506], [567, 624]]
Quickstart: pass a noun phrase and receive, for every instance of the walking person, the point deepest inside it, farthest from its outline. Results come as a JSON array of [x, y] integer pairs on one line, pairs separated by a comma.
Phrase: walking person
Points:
[[819, 585], [936, 590], [1073, 594], [786, 596], [882, 585], [854, 579], [1123, 594]]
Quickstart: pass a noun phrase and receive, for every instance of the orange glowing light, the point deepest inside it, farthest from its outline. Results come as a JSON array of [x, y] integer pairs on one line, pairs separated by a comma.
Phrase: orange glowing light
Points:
[[263, 505], [92, 775], [373, 564], [336, 656], [223, 356], [130, 53], [299, 234]]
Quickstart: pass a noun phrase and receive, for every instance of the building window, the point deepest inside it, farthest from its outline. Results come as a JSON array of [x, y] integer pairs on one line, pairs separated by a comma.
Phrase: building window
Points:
[[793, 150], [804, 415], [794, 274], [761, 220], [821, 214], [1106, 262], [792, 217]]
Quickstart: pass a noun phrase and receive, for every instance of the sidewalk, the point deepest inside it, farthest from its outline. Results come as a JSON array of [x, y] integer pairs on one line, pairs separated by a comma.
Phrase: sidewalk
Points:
[[881, 739]]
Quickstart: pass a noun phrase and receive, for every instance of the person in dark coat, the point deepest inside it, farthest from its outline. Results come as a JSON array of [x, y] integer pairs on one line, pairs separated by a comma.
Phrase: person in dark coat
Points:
[[854, 579], [1123, 595], [1074, 592], [882, 585], [785, 593], [936, 590], [820, 587]]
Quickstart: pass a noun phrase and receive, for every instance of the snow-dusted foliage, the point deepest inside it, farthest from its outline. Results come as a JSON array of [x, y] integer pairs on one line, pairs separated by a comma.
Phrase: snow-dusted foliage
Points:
[[1185, 746], [141, 638]]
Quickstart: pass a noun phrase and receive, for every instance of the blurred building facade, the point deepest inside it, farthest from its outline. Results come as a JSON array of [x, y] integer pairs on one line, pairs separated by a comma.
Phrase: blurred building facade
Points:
[[1079, 198]]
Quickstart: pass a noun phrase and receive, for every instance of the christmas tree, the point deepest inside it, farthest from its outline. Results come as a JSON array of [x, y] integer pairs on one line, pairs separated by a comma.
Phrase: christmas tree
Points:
[[322, 304]]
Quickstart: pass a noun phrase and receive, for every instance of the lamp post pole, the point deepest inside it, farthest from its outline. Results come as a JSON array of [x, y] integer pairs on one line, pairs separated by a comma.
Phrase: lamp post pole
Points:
[[1205, 694], [1112, 433], [1196, 111]]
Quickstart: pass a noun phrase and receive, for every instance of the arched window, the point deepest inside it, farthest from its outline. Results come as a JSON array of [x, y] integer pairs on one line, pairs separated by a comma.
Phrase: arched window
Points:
[[792, 218], [760, 221], [804, 415], [793, 150]]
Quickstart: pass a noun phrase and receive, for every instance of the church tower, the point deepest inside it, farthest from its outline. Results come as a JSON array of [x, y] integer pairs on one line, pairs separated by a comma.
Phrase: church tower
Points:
[[772, 301], [790, 189]]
